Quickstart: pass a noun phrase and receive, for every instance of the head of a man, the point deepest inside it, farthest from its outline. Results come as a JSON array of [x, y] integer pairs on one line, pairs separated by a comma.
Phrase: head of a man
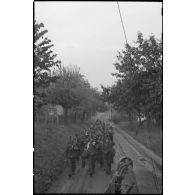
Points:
[[128, 161]]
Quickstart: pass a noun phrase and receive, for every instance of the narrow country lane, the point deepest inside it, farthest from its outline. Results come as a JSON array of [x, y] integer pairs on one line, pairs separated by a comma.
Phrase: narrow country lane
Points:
[[146, 169]]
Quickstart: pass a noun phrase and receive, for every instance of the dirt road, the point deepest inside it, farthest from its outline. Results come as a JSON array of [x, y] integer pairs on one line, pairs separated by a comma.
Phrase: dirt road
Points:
[[147, 169]]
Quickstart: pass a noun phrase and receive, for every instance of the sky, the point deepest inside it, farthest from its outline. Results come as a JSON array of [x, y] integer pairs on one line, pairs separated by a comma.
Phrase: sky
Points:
[[89, 34]]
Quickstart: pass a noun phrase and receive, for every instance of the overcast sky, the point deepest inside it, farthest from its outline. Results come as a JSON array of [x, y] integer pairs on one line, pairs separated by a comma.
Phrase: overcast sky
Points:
[[89, 34]]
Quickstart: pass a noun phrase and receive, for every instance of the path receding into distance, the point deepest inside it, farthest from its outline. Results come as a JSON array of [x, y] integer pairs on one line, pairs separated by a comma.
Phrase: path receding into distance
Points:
[[147, 169]]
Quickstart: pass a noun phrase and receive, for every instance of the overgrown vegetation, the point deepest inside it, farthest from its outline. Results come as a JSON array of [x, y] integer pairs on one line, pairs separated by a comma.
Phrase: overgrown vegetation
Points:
[[55, 84], [138, 90], [44, 60], [50, 145], [74, 93], [148, 135]]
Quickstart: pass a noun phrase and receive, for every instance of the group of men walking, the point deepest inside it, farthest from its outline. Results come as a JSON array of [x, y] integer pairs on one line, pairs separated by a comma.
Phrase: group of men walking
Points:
[[92, 146]]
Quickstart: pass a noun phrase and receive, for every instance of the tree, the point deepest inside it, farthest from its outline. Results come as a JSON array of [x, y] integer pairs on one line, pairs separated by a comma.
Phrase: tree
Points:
[[44, 60], [139, 86], [74, 92], [61, 92]]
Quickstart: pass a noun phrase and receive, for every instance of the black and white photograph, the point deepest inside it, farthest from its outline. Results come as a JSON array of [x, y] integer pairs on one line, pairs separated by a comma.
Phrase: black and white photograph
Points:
[[97, 97]]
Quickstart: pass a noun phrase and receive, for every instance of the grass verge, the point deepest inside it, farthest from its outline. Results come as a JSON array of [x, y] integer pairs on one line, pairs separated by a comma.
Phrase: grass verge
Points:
[[49, 150], [141, 134]]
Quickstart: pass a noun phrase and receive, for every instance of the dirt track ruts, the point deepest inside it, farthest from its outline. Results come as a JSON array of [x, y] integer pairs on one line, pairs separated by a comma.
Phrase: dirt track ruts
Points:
[[124, 145]]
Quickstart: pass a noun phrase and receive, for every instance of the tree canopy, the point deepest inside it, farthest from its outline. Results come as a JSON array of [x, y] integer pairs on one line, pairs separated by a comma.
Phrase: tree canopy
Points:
[[56, 85], [139, 79], [44, 61], [74, 92]]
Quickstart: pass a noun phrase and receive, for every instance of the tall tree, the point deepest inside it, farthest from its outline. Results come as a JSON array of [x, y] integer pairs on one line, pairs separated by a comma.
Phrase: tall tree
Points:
[[44, 61], [139, 85]]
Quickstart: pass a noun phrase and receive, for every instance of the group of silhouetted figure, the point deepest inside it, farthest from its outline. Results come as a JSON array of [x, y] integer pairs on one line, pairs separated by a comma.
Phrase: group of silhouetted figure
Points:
[[92, 146]]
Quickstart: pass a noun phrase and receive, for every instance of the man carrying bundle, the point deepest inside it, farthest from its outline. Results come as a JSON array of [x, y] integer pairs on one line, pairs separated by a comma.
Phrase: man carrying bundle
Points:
[[123, 180]]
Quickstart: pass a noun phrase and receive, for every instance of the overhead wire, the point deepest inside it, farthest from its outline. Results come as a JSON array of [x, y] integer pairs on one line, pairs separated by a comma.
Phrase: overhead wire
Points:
[[122, 22]]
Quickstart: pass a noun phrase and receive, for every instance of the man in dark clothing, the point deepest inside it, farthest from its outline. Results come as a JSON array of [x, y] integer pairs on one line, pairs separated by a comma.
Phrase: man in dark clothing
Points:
[[70, 155], [84, 156], [92, 158], [76, 152], [108, 154], [110, 133], [99, 153]]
